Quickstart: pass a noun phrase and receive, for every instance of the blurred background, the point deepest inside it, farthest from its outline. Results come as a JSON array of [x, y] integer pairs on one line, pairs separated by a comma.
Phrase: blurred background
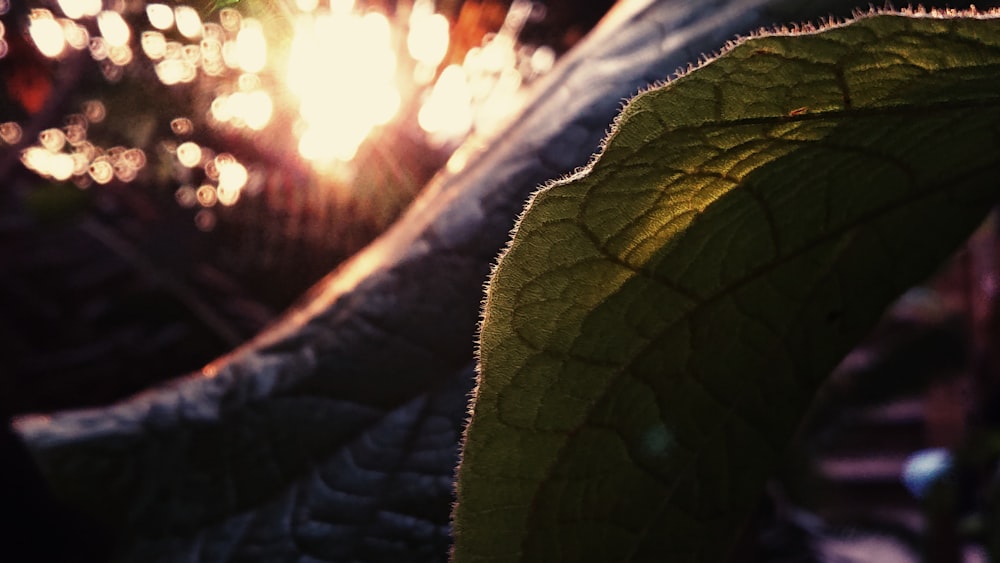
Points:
[[174, 175]]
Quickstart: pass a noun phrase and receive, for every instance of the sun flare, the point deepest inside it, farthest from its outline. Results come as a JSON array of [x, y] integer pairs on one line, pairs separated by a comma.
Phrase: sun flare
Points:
[[346, 74], [342, 70]]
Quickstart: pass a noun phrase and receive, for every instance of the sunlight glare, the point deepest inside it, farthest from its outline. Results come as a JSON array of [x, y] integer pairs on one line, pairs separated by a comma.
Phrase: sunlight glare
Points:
[[341, 105]]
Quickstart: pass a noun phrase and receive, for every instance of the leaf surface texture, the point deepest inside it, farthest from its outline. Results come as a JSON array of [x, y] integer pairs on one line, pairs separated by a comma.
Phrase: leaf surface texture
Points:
[[661, 321]]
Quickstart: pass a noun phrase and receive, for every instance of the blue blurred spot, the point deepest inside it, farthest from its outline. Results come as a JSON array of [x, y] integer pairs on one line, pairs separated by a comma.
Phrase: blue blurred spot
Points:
[[657, 441], [924, 468]]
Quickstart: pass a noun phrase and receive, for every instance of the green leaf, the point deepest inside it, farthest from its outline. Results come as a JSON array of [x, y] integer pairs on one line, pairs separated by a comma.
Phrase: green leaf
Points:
[[660, 322], [333, 435]]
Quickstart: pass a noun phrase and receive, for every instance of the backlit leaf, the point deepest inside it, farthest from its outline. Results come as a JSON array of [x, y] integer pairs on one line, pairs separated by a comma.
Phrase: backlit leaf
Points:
[[661, 321]]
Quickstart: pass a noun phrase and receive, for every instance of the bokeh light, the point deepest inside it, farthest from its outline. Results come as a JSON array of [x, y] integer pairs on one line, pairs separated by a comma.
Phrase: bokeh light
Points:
[[113, 28], [76, 9], [347, 73], [10, 132], [189, 154], [428, 37], [251, 47], [188, 21], [447, 111], [340, 106], [46, 33], [160, 16]]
